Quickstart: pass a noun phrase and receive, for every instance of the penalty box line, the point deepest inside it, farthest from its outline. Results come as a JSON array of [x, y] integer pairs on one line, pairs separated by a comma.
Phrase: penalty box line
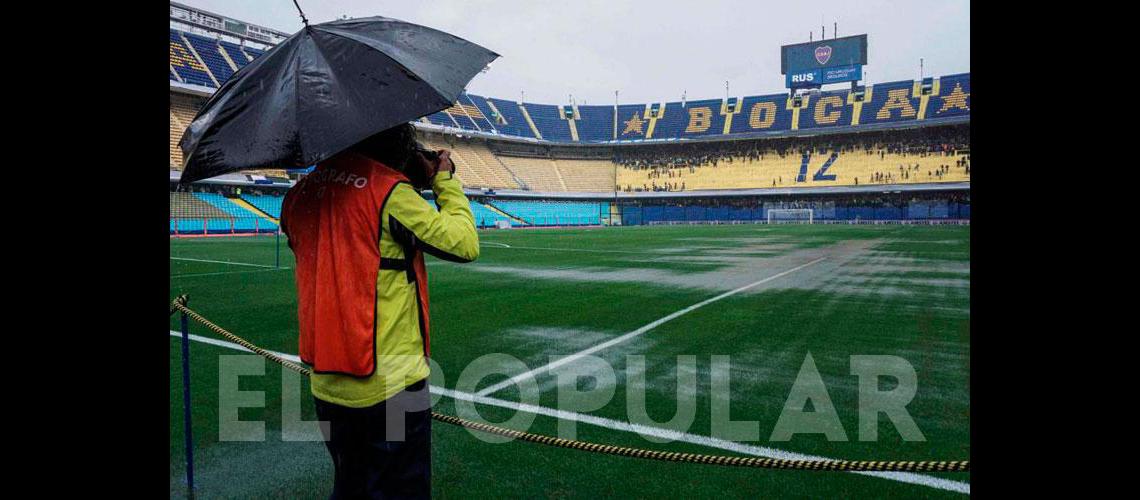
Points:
[[640, 331], [617, 425]]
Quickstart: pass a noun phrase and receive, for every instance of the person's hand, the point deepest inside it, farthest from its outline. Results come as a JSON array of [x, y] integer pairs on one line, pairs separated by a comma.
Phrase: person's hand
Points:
[[430, 165], [445, 164]]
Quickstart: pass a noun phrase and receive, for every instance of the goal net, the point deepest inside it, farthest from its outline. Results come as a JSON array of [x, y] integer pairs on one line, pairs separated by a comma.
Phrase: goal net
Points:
[[790, 215]]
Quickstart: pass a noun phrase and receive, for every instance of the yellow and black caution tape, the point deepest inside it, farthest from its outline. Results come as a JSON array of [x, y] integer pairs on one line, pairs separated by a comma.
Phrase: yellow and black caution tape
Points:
[[695, 458]]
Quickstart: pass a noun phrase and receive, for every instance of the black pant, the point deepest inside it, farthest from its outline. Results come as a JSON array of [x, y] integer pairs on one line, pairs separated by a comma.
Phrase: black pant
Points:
[[384, 450]]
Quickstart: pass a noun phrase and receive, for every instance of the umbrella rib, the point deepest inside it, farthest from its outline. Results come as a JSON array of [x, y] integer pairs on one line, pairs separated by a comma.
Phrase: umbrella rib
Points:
[[393, 59]]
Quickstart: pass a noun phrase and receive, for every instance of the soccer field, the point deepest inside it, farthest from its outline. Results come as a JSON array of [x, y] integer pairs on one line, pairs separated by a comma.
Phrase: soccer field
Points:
[[833, 291]]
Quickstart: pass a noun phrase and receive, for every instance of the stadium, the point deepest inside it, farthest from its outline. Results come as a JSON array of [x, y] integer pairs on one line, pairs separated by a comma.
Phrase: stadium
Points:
[[812, 224]]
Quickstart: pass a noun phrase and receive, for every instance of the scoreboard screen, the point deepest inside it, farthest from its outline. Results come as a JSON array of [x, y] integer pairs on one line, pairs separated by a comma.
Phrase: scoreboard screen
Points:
[[826, 61]]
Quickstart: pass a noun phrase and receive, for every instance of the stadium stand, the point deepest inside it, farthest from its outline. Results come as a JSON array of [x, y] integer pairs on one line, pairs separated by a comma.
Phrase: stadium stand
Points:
[[549, 123], [596, 123], [826, 109], [234, 53], [890, 102], [496, 124], [781, 162], [953, 97], [799, 170], [900, 134], [553, 212], [195, 213], [187, 206], [696, 118], [183, 107], [922, 155], [268, 204], [485, 217], [208, 51], [200, 60], [466, 112], [762, 114], [186, 65], [513, 122], [539, 174], [478, 166], [442, 119], [245, 219], [586, 175]]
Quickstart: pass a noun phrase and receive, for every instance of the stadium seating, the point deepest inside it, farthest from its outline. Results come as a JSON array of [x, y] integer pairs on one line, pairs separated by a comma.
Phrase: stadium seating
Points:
[[695, 119], [485, 217], [467, 112], [183, 107], [188, 67], [553, 212], [192, 213], [515, 123], [203, 59], [268, 204], [827, 109], [209, 53], [234, 52], [762, 114], [442, 119], [538, 174], [586, 175], [596, 123], [953, 97], [548, 121], [791, 170], [187, 206], [476, 165], [243, 220], [892, 102], [631, 122]]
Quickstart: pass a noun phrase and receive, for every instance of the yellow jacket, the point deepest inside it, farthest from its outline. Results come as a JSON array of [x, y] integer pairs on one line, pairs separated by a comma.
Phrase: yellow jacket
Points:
[[448, 233]]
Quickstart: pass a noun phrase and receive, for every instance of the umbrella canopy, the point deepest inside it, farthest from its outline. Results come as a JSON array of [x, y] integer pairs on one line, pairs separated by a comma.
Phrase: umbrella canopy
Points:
[[324, 89]]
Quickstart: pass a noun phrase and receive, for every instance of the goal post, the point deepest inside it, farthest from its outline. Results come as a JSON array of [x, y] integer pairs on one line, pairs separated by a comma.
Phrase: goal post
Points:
[[791, 215]]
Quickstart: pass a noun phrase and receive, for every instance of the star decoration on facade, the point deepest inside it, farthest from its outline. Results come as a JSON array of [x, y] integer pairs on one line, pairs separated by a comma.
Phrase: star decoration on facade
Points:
[[634, 124], [956, 99]]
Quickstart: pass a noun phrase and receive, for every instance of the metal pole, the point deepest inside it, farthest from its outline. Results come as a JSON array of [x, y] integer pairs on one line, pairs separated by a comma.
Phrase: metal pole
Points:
[[187, 428], [615, 113], [277, 258]]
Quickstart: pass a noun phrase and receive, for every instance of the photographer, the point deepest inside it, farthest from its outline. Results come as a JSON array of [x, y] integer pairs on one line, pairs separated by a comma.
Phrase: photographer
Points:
[[358, 228]]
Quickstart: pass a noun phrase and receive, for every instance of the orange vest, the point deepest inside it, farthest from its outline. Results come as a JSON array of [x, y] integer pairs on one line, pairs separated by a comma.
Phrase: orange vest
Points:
[[332, 219]]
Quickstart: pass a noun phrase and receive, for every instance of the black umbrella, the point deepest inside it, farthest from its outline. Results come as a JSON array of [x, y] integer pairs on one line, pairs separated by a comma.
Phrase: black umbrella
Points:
[[324, 89]]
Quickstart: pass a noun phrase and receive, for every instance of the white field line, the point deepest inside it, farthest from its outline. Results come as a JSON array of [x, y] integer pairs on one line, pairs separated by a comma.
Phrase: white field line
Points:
[[552, 249], [759, 451], [231, 345], [624, 337], [194, 275], [617, 425], [220, 262]]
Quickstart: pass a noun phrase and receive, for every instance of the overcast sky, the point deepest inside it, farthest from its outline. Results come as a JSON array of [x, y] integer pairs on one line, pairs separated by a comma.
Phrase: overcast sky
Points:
[[653, 50]]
